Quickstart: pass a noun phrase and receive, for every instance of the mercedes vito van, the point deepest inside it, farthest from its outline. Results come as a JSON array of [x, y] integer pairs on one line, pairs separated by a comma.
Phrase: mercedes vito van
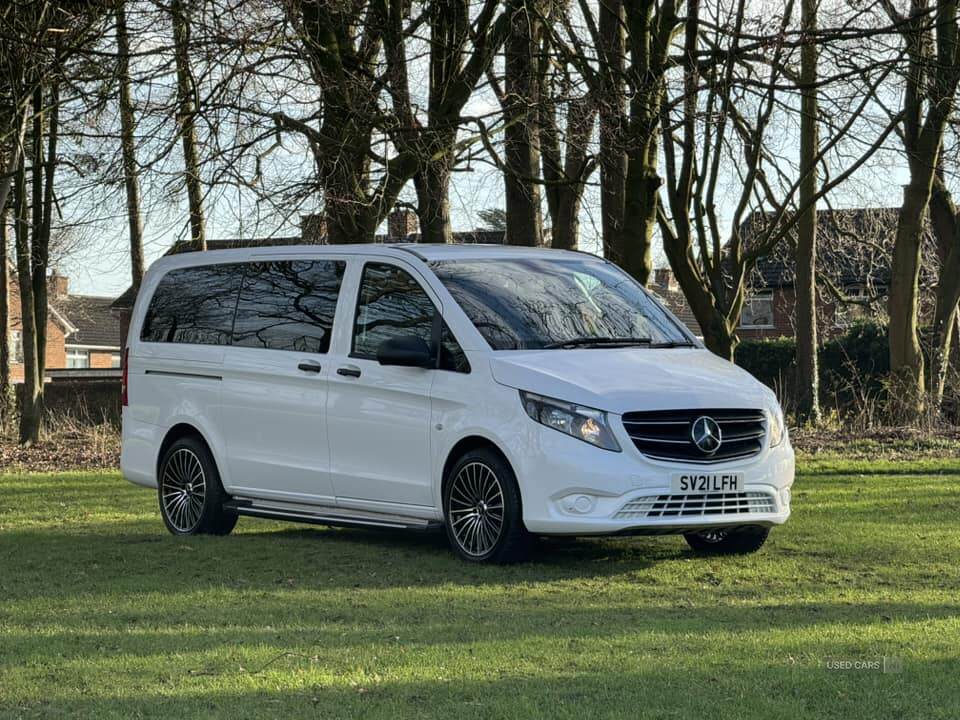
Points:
[[498, 392]]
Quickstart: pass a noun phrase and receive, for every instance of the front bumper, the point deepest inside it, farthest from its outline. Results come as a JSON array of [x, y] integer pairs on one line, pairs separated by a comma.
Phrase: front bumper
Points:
[[570, 488]]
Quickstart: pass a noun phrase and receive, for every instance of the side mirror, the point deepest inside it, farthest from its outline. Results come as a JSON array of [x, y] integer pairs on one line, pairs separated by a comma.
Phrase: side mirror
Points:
[[405, 351]]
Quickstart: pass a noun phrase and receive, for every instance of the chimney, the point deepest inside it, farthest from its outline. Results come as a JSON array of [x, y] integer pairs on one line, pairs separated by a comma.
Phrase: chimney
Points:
[[313, 229], [663, 278], [401, 224], [57, 285]]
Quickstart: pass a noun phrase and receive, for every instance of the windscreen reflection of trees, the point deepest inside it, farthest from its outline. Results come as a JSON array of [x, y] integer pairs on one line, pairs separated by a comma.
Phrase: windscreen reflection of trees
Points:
[[529, 304], [194, 305], [288, 305], [391, 304]]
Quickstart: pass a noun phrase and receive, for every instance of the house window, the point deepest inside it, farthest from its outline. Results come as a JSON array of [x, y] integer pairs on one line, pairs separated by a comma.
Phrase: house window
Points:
[[846, 314], [78, 359], [16, 347], [115, 360], [757, 312]]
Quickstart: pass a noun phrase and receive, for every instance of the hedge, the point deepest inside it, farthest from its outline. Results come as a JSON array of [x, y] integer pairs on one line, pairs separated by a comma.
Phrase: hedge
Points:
[[852, 364]]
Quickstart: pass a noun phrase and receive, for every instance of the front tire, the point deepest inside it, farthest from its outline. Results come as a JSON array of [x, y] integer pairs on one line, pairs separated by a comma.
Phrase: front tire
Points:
[[190, 493], [728, 541], [483, 511]]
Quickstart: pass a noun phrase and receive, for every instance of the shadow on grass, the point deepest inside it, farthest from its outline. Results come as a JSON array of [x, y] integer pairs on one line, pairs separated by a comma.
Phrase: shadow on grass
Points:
[[712, 690]]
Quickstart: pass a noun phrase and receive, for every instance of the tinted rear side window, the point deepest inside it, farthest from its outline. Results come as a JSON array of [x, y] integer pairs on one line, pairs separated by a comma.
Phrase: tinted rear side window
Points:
[[194, 305], [288, 305]]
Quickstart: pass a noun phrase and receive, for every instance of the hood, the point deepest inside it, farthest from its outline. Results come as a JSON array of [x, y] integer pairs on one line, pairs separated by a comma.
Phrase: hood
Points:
[[621, 380]]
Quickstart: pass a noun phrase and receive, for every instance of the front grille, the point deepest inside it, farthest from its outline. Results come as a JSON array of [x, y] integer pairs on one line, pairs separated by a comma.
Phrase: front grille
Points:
[[666, 434], [660, 506]]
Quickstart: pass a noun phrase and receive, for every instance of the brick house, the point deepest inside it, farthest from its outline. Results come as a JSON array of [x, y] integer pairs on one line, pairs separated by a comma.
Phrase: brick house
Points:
[[854, 251], [81, 332]]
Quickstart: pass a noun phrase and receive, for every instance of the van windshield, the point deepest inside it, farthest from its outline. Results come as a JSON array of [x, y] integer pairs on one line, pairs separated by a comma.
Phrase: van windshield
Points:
[[533, 303]]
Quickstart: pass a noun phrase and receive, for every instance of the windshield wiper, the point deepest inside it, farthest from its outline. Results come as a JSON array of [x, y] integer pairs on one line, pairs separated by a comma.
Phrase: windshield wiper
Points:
[[597, 342], [672, 344]]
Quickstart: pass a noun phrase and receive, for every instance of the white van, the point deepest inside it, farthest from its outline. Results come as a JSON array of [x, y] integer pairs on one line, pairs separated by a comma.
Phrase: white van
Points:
[[498, 392]]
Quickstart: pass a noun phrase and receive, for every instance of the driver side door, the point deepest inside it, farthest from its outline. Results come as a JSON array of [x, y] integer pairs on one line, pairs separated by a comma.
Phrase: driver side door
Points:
[[379, 416]]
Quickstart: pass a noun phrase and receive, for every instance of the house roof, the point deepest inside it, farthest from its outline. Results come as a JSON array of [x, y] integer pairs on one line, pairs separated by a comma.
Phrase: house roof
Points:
[[55, 313], [92, 319], [676, 303], [854, 247]]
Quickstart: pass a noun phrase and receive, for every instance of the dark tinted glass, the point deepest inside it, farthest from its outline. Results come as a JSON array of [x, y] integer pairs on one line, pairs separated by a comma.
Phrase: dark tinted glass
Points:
[[194, 305], [452, 356], [288, 305], [534, 303], [391, 304]]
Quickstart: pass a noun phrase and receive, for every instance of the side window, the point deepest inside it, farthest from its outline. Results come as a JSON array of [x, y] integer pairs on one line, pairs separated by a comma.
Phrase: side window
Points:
[[193, 305], [288, 305], [391, 303]]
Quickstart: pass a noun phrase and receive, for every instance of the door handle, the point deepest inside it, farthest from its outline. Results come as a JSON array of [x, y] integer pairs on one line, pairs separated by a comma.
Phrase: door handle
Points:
[[349, 371], [310, 367]]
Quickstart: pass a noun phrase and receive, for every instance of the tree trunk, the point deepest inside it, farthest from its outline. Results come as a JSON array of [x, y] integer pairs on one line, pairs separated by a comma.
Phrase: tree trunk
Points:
[[4, 322], [565, 173], [721, 341], [946, 226], [906, 358], [613, 161], [13, 159], [566, 220], [40, 243], [808, 380], [30, 408], [186, 120], [640, 212], [128, 149], [433, 204], [521, 142]]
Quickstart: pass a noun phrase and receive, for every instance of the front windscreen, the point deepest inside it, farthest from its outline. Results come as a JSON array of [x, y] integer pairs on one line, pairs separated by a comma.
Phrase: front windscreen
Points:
[[533, 303]]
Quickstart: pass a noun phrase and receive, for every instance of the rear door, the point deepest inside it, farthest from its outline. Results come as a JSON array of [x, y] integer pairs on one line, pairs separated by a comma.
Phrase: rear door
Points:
[[275, 379]]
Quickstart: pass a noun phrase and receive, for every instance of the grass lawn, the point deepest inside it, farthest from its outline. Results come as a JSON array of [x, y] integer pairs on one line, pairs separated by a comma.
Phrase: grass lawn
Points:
[[103, 614]]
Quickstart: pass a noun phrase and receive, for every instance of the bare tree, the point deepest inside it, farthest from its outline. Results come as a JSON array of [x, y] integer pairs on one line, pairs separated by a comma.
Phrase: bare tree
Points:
[[186, 120], [520, 100], [931, 38], [945, 219], [4, 320], [128, 147], [805, 284], [565, 154], [454, 71], [725, 115]]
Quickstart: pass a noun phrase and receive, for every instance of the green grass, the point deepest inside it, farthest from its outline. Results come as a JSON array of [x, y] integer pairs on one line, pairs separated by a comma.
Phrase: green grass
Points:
[[102, 614]]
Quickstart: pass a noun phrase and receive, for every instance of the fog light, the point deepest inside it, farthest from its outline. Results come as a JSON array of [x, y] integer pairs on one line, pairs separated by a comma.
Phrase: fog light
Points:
[[579, 504]]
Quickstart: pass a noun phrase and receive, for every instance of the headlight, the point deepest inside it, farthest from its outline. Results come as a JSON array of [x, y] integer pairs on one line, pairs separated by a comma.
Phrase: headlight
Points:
[[778, 428], [580, 422]]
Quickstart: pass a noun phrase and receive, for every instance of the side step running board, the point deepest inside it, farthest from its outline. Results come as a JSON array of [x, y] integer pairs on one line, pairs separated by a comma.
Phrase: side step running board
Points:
[[335, 517]]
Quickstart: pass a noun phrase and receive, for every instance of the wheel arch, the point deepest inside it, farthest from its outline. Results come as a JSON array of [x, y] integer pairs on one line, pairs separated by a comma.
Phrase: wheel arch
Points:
[[461, 448], [177, 432]]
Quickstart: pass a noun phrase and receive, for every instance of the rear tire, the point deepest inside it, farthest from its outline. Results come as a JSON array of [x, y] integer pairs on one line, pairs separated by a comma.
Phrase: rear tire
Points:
[[190, 493], [739, 541], [482, 510]]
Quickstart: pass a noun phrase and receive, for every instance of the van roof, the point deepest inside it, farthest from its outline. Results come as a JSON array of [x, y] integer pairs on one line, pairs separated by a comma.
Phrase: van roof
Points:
[[424, 251]]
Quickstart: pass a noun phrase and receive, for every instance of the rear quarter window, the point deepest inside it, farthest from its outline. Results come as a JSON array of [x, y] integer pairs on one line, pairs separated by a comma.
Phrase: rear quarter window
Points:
[[194, 305]]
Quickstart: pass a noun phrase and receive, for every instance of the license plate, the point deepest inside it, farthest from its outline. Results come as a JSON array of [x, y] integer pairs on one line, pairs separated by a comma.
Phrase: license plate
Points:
[[701, 482]]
